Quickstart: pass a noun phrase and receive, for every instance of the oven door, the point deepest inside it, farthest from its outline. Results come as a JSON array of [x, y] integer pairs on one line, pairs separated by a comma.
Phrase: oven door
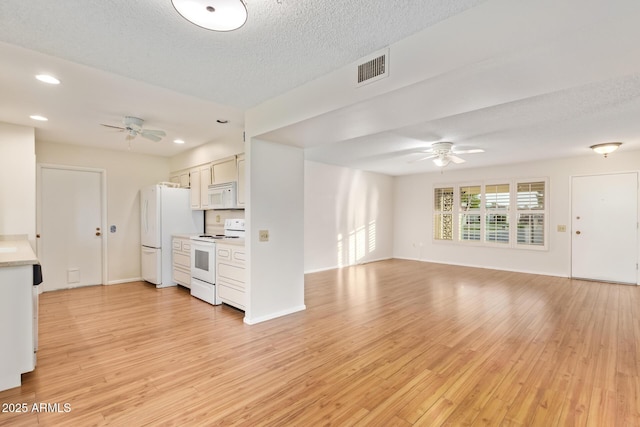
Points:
[[203, 265]]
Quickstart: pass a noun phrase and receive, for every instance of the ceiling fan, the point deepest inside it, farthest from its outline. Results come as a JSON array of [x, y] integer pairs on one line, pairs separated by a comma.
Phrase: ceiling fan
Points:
[[133, 127], [445, 152]]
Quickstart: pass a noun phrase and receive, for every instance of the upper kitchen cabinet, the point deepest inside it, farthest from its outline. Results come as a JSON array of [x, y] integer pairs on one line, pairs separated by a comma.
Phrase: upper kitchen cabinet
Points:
[[241, 180], [194, 176], [200, 179], [224, 171], [181, 178]]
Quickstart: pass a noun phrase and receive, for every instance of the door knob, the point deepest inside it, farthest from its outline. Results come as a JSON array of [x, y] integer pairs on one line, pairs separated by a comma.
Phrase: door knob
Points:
[[578, 232], [97, 233]]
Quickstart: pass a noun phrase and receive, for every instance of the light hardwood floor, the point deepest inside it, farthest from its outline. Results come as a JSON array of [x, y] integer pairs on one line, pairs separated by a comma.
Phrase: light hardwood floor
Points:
[[388, 343]]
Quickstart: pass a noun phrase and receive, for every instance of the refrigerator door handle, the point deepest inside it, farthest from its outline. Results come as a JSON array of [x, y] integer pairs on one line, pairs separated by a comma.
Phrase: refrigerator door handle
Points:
[[145, 216]]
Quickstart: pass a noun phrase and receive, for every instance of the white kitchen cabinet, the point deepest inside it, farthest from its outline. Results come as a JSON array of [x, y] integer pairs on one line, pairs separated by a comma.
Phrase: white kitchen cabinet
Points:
[[224, 171], [194, 177], [230, 274], [181, 178], [181, 256], [200, 178], [241, 180], [205, 182]]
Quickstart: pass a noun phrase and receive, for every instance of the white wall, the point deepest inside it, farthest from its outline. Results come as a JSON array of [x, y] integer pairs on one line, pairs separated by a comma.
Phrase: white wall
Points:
[[348, 216], [204, 154], [126, 173], [414, 207], [275, 202], [17, 181]]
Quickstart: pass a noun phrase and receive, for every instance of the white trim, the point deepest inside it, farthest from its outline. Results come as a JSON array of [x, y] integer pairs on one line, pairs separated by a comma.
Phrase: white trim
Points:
[[103, 200], [318, 270], [484, 267], [120, 281], [271, 316]]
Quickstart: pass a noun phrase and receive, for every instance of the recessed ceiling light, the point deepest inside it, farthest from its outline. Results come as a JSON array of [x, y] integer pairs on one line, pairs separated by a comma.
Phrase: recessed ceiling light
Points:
[[178, 141], [46, 78], [39, 118], [216, 15]]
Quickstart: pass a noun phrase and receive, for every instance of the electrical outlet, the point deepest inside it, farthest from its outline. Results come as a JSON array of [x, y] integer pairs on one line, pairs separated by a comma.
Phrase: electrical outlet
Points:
[[264, 235], [217, 218], [562, 228]]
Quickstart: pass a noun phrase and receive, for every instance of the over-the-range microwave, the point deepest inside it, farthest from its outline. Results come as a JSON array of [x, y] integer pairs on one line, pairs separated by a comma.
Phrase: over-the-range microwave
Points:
[[223, 196]]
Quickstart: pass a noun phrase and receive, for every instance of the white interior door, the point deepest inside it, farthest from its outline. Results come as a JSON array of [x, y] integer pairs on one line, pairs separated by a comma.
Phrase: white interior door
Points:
[[604, 243], [70, 246]]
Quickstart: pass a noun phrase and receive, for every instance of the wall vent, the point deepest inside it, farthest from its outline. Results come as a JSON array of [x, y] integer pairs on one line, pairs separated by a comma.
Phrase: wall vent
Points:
[[373, 67]]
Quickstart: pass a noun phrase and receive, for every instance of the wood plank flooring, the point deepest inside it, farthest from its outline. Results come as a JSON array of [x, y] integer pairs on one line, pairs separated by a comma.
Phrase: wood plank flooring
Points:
[[391, 343]]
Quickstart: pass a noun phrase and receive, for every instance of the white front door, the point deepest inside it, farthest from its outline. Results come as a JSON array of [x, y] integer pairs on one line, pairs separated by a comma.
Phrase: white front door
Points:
[[70, 246], [604, 227]]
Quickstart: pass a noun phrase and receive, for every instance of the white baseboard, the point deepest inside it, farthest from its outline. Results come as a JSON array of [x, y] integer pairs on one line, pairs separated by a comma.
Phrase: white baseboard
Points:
[[118, 282], [513, 270], [317, 270], [260, 319]]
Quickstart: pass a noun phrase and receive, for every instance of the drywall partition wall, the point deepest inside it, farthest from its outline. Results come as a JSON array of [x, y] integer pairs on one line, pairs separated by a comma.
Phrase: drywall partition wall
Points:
[[347, 216], [17, 181], [275, 265], [126, 173], [206, 153], [413, 215]]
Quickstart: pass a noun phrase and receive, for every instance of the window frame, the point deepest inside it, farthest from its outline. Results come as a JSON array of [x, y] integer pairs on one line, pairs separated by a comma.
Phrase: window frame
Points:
[[512, 213]]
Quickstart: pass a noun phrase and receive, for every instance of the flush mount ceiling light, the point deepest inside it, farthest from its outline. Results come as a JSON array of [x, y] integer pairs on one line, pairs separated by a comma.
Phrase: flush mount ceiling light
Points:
[[178, 141], [216, 15], [606, 148], [38, 118]]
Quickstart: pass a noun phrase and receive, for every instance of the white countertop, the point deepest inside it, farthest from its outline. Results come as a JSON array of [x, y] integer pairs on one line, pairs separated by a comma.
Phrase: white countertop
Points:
[[16, 251], [185, 236], [236, 242]]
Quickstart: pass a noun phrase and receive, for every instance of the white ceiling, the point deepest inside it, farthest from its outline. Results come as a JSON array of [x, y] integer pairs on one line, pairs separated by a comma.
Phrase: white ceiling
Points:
[[522, 81]]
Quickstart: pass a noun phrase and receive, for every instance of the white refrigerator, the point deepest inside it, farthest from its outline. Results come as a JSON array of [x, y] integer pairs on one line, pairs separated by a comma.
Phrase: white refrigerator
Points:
[[164, 211]]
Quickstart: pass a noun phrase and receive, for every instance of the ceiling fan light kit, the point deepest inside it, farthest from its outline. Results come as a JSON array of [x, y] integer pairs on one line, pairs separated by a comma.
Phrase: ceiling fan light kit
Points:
[[215, 15], [606, 148], [445, 152]]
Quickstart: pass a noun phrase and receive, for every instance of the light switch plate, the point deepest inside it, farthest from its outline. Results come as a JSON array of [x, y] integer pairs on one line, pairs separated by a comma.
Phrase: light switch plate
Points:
[[264, 235], [562, 228]]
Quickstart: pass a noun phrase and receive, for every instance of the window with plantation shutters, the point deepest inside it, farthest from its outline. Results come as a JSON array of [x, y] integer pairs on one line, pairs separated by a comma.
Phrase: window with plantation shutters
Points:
[[470, 226], [443, 214], [512, 213], [531, 215], [497, 202]]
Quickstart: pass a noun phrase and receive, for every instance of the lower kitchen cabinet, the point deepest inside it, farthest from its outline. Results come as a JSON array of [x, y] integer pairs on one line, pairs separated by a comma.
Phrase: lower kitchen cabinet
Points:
[[181, 255], [230, 274]]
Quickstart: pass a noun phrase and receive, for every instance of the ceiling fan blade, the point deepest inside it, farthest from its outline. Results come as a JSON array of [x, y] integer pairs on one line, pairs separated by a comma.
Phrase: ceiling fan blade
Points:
[[151, 136], [154, 132], [456, 159], [423, 158], [111, 126], [466, 150]]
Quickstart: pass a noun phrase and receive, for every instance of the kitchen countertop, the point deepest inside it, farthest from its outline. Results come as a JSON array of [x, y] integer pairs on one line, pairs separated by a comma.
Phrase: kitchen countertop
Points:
[[185, 236], [15, 251], [236, 242]]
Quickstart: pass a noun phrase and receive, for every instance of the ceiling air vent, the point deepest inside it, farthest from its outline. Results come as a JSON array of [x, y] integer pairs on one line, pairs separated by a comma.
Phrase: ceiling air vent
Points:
[[374, 67]]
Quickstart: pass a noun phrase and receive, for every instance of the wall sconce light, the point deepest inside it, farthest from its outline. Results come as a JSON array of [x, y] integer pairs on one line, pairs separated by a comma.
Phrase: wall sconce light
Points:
[[606, 148]]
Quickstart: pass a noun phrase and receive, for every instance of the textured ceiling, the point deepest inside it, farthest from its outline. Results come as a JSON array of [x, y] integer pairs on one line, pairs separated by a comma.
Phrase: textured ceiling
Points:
[[522, 80], [284, 43]]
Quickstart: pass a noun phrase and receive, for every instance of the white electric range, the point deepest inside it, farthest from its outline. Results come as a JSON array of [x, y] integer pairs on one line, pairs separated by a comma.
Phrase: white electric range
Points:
[[203, 260]]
